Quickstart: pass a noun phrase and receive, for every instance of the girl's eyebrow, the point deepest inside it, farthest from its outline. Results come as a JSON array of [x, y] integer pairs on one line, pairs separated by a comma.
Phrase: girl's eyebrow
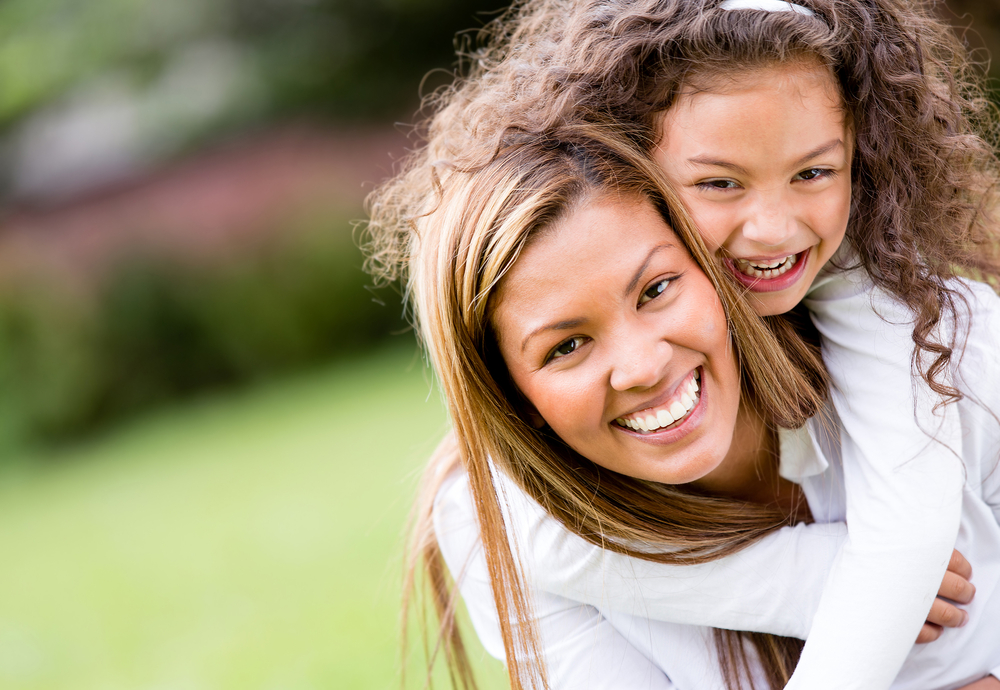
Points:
[[818, 151], [715, 163]]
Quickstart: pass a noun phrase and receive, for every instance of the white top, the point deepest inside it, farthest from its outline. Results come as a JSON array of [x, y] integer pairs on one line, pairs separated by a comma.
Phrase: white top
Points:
[[916, 479]]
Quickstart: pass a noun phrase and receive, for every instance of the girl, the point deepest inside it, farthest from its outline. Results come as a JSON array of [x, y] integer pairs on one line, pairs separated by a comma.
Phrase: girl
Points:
[[894, 166], [494, 278]]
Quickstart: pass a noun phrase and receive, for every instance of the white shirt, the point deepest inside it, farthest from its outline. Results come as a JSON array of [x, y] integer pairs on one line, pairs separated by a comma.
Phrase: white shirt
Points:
[[778, 584]]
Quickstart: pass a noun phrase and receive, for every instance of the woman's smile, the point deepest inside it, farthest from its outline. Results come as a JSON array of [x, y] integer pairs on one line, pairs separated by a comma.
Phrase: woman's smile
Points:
[[668, 414], [619, 343]]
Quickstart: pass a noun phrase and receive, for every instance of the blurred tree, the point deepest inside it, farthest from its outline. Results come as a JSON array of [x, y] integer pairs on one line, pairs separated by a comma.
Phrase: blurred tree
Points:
[[348, 58], [978, 23], [114, 86]]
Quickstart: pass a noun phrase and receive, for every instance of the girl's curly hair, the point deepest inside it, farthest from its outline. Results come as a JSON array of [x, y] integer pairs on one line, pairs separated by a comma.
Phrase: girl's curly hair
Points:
[[924, 170]]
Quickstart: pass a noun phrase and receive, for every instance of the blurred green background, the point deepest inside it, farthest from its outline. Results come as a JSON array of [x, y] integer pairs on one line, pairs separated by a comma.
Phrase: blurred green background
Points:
[[211, 425]]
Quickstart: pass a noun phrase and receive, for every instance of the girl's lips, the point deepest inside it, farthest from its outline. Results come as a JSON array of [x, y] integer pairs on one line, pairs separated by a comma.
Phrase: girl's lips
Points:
[[782, 282], [675, 432]]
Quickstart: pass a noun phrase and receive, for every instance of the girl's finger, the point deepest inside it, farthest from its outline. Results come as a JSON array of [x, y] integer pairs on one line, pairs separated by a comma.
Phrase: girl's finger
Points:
[[929, 633], [946, 614], [959, 565], [956, 588]]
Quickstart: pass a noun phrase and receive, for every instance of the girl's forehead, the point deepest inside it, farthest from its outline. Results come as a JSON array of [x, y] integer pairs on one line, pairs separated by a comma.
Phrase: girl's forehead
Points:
[[792, 74], [804, 86]]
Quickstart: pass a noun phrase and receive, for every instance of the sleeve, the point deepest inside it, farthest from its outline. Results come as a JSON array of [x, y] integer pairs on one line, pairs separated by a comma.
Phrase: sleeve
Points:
[[903, 476], [582, 649], [772, 586]]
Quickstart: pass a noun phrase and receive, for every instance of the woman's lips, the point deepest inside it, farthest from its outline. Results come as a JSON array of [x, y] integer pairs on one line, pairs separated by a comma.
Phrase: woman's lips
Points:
[[769, 276], [647, 424]]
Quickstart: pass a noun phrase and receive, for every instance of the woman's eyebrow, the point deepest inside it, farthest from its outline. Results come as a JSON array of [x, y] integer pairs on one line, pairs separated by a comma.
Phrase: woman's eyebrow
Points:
[[557, 326], [573, 323], [645, 264]]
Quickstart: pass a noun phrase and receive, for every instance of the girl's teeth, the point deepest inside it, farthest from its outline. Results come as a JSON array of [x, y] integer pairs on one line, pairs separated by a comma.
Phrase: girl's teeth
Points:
[[766, 270]]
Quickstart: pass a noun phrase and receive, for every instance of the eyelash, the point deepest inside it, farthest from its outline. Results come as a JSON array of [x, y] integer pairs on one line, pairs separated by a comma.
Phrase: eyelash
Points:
[[662, 281], [553, 355], [820, 174]]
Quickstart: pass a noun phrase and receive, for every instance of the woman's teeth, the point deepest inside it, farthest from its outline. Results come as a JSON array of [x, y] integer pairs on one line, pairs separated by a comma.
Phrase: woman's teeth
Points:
[[676, 409], [765, 270]]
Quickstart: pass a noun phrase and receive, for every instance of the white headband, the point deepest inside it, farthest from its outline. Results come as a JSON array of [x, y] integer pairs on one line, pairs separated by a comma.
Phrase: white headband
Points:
[[766, 5]]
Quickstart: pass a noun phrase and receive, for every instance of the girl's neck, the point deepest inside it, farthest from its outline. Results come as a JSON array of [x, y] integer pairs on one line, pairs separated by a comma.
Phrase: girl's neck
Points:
[[750, 471]]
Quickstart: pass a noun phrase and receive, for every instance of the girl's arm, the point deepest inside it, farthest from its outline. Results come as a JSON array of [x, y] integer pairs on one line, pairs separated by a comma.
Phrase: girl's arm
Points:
[[988, 683], [582, 647], [903, 474], [772, 586]]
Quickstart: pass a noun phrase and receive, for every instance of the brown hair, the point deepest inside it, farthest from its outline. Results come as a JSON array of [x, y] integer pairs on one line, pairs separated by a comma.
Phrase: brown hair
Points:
[[924, 171], [470, 232]]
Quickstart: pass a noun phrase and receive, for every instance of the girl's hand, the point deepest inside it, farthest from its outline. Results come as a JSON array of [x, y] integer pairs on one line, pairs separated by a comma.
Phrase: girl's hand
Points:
[[955, 587], [987, 683]]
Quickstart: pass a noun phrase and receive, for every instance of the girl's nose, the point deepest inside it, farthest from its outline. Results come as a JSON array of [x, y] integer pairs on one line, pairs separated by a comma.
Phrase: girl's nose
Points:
[[640, 363], [770, 223]]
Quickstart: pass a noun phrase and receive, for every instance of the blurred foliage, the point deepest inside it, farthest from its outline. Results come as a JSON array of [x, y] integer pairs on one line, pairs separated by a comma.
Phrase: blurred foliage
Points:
[[346, 58], [248, 542], [163, 330]]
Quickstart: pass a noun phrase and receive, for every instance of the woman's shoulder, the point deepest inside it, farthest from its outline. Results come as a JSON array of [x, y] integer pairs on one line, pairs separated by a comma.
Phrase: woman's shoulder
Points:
[[453, 499]]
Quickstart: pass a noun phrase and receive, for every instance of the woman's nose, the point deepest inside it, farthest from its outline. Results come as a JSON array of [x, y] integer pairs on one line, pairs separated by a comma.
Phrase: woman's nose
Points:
[[770, 222], [640, 363]]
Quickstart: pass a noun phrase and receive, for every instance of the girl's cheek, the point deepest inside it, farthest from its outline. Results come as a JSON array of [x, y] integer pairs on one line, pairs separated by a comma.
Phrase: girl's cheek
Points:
[[713, 230]]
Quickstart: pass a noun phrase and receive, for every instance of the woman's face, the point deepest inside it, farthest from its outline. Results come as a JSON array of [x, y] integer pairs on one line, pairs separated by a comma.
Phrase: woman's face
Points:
[[763, 164], [620, 344]]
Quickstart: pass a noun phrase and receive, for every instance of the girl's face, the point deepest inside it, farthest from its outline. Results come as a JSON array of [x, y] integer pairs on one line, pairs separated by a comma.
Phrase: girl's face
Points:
[[763, 164], [620, 344]]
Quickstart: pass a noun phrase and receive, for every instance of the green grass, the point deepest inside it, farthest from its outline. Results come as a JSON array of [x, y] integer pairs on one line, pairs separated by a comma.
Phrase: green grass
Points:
[[249, 541]]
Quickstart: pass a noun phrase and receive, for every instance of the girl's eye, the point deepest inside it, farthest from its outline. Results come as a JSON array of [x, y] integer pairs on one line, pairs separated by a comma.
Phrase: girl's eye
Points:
[[654, 290], [814, 174], [567, 347], [719, 184]]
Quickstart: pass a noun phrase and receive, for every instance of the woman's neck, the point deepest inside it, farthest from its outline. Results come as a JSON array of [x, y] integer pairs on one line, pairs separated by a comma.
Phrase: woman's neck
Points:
[[750, 470]]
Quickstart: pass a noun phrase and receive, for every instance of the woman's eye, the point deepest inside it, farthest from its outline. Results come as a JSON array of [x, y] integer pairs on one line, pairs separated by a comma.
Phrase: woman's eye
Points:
[[567, 347], [654, 290]]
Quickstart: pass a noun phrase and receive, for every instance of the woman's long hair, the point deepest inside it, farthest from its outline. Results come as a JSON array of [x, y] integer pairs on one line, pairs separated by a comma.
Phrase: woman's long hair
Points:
[[487, 208], [924, 169]]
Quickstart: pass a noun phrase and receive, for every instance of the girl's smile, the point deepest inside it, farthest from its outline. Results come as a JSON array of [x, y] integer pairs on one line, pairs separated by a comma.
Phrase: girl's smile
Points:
[[619, 343], [763, 163]]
